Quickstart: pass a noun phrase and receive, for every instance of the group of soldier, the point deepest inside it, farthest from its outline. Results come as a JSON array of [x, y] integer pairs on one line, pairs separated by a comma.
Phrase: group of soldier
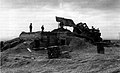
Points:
[[30, 27]]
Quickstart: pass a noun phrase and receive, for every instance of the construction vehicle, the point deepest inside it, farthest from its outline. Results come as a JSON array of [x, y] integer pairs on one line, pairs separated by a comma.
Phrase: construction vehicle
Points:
[[81, 29]]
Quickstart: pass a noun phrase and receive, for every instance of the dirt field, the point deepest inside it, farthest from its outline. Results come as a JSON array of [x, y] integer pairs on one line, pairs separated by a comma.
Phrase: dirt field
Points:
[[83, 60]]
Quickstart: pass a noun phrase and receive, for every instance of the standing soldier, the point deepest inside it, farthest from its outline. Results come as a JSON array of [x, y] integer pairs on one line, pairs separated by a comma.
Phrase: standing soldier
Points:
[[93, 29], [42, 28], [30, 27]]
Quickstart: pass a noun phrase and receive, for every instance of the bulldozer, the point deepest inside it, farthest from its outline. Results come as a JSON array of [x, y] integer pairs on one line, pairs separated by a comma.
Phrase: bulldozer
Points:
[[81, 29]]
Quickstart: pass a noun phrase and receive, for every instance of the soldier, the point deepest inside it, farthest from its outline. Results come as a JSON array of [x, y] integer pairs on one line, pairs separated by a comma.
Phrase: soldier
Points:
[[42, 28], [93, 29], [30, 27]]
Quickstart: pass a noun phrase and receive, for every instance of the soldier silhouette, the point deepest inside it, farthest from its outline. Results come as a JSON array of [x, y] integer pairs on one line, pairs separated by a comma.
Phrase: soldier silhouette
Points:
[[42, 28], [93, 29], [30, 27]]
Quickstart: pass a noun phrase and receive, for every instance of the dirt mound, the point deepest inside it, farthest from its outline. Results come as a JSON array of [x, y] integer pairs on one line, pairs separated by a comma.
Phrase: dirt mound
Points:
[[11, 43], [80, 62], [79, 44], [30, 36], [8, 61], [19, 49]]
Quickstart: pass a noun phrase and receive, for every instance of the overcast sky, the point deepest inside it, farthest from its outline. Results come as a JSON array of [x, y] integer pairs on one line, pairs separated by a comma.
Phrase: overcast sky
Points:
[[16, 15]]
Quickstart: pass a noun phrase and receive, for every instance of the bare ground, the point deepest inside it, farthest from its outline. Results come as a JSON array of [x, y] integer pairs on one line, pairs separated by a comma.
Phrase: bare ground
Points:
[[82, 61]]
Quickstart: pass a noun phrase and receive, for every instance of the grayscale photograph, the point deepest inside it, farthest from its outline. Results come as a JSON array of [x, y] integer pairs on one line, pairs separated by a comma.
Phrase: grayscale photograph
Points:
[[59, 36]]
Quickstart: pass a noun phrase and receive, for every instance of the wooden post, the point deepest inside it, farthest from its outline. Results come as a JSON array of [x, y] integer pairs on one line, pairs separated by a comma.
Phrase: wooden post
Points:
[[1, 46], [100, 48]]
